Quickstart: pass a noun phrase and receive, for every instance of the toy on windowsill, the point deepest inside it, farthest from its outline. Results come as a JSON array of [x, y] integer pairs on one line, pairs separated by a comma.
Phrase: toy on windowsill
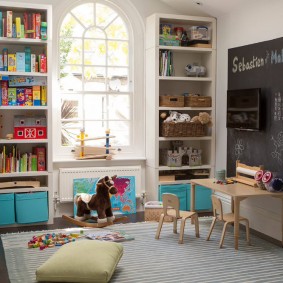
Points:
[[83, 151]]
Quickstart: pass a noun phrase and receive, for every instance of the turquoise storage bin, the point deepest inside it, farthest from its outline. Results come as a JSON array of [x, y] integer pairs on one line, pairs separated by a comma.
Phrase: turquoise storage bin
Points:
[[202, 198], [181, 190], [31, 207], [7, 209]]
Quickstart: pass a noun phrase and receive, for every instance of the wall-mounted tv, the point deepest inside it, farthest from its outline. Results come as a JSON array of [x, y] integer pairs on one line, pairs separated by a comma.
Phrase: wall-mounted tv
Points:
[[244, 109]]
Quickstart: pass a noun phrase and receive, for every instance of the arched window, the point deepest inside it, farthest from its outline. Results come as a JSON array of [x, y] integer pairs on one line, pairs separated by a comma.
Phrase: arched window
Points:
[[96, 75]]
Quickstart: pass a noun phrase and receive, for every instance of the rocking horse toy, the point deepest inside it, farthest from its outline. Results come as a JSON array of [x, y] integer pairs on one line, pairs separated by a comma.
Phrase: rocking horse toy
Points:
[[100, 202]]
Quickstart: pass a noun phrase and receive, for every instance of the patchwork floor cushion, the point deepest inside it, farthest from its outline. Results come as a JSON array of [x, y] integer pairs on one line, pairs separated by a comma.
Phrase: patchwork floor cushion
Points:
[[82, 261]]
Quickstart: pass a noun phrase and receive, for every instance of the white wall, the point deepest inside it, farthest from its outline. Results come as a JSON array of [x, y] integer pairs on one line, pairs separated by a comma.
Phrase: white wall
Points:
[[258, 20]]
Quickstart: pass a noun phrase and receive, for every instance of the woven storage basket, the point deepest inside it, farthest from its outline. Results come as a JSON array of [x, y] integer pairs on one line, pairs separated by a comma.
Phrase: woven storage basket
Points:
[[198, 101], [171, 101], [153, 214], [185, 129]]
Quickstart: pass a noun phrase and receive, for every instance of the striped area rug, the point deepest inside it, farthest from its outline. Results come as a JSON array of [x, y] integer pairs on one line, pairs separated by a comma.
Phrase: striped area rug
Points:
[[165, 261]]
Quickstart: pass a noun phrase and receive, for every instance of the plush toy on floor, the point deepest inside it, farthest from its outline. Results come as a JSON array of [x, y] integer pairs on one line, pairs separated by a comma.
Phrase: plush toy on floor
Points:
[[99, 201]]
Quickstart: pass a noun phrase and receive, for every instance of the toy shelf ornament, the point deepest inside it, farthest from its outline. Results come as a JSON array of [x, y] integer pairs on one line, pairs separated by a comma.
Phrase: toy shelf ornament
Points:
[[83, 151]]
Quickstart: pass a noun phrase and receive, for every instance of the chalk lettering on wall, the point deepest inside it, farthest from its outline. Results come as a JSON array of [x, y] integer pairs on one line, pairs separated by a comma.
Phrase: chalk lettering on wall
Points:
[[278, 107], [239, 148], [245, 64], [278, 147]]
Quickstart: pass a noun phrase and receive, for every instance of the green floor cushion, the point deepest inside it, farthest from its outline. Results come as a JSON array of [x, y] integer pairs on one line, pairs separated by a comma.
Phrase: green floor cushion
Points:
[[82, 261]]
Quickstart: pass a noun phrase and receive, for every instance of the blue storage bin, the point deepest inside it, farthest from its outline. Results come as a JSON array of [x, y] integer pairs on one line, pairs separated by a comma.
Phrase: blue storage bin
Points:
[[202, 198], [31, 207], [180, 190], [7, 209]]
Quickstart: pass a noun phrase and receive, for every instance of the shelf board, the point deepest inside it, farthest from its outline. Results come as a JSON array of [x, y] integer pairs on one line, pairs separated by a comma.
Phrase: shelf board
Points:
[[186, 49], [22, 41], [167, 168], [185, 108], [207, 138], [23, 108], [23, 190], [27, 74], [194, 79], [17, 141], [24, 174]]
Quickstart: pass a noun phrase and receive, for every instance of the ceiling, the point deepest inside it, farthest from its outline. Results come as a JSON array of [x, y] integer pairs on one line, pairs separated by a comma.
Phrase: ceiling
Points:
[[214, 8]]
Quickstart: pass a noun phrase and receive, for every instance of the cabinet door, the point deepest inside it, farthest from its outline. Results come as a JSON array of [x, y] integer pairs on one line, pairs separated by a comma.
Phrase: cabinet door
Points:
[[202, 198], [181, 191]]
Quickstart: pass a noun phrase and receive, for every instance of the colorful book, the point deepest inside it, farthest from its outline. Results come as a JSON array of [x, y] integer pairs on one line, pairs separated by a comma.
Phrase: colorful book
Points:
[[18, 27], [109, 236], [41, 158], [33, 62], [28, 97], [36, 95], [9, 24], [20, 96], [12, 96], [1, 23], [43, 95], [4, 86], [12, 63], [37, 25], [20, 61], [27, 59]]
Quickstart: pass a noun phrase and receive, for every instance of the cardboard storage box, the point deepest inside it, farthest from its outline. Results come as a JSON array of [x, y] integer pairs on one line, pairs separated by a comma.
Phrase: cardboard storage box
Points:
[[7, 209], [31, 207]]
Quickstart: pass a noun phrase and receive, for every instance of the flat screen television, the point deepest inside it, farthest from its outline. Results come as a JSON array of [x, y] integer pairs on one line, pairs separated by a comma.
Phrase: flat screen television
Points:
[[244, 109]]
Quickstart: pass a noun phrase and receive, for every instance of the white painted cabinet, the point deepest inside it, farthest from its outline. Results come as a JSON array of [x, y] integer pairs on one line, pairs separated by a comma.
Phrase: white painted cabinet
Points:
[[177, 85]]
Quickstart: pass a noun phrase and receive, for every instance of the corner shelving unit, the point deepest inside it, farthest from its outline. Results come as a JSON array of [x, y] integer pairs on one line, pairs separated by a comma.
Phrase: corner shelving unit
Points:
[[176, 85], [7, 113]]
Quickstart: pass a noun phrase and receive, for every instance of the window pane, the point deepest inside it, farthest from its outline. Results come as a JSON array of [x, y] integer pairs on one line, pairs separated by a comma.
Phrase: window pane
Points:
[[85, 14], [71, 78], [104, 15], [118, 79], [121, 130], [70, 51], [94, 52], [94, 78], [95, 107], [71, 27], [117, 30], [95, 33], [119, 107], [96, 129], [118, 53], [69, 132]]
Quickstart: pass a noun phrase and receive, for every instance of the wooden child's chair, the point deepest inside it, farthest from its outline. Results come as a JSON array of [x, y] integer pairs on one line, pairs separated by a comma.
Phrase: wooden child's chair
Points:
[[226, 218], [172, 201]]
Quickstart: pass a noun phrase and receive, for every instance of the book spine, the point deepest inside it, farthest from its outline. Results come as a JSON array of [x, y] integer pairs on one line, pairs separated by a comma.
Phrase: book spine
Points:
[[43, 95], [36, 95], [20, 61], [5, 59], [27, 59], [18, 27], [33, 62], [11, 62], [9, 23], [12, 96], [33, 162], [1, 23], [37, 25], [28, 97], [4, 85], [20, 96], [41, 163]]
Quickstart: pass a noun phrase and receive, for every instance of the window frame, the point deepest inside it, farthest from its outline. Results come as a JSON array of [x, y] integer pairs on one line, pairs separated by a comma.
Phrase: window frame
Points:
[[136, 86]]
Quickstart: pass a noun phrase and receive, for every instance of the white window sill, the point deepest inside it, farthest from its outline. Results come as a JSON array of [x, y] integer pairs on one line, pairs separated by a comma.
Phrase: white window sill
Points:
[[114, 160]]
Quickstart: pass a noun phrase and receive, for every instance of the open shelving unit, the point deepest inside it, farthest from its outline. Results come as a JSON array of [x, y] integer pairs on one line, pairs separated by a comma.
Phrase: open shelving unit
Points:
[[7, 113], [176, 85]]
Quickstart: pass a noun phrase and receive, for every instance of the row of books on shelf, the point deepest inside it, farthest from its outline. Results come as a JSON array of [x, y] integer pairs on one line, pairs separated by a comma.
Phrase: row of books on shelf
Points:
[[22, 96], [25, 25], [13, 160], [23, 61], [166, 63]]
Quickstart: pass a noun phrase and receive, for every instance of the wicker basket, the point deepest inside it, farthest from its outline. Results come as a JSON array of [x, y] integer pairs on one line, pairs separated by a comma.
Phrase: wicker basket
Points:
[[171, 101], [153, 214], [198, 101], [185, 129]]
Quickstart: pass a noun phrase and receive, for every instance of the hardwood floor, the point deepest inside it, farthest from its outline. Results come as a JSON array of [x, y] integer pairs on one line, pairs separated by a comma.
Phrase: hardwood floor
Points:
[[59, 223]]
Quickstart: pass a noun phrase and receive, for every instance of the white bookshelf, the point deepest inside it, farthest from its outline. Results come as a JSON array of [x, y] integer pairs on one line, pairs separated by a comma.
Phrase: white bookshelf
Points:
[[38, 46], [177, 84]]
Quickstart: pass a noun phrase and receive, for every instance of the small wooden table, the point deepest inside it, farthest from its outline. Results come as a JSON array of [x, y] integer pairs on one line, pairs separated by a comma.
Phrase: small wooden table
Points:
[[238, 192]]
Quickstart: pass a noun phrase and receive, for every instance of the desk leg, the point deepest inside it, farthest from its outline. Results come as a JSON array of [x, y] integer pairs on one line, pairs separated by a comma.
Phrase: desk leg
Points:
[[192, 208], [236, 222]]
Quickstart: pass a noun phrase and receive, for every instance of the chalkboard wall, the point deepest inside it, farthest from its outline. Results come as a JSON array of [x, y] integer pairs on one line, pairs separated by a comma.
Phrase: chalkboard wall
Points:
[[258, 65]]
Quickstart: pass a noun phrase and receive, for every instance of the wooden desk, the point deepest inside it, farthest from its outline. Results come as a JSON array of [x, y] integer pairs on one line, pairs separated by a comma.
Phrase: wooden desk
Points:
[[239, 192]]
